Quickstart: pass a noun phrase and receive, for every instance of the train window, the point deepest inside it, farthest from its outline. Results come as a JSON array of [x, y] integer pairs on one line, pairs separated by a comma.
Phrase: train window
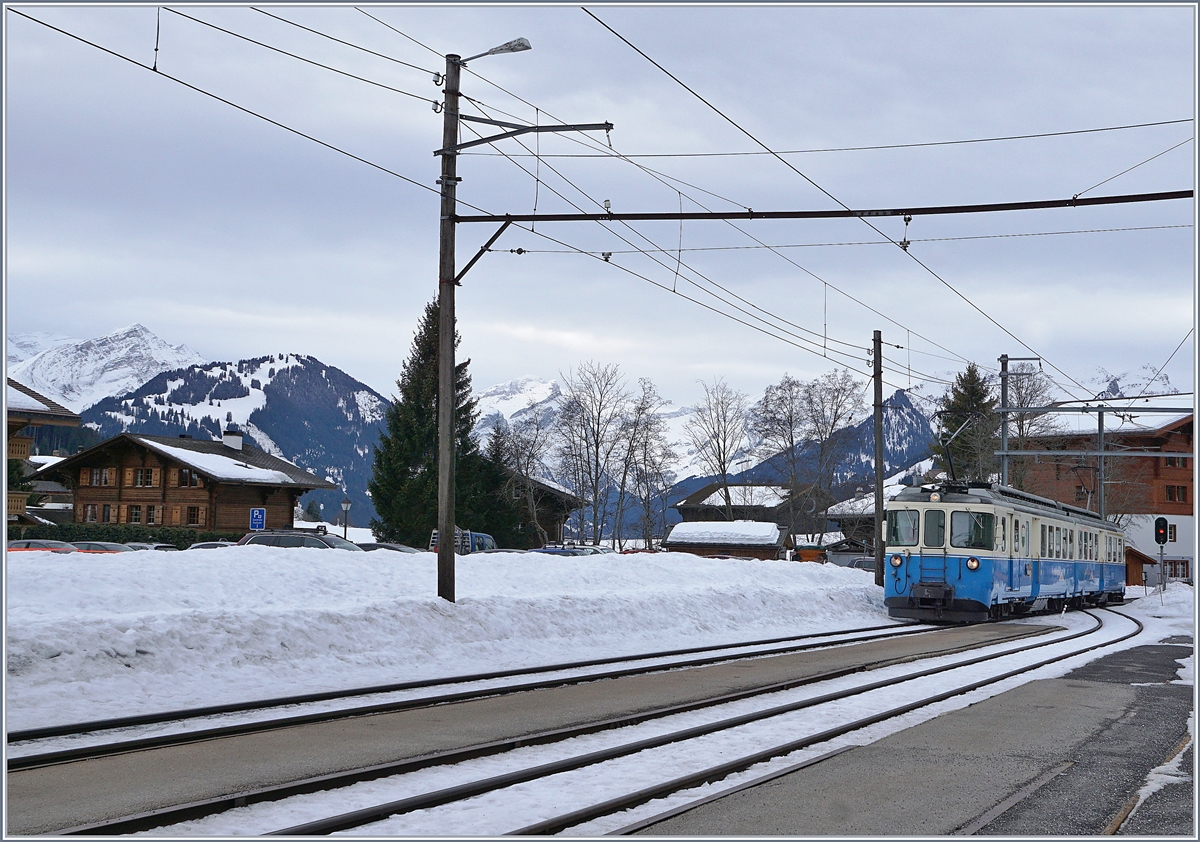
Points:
[[1003, 534], [1071, 544], [1042, 551], [972, 530], [902, 528], [1025, 538], [935, 528], [1058, 542]]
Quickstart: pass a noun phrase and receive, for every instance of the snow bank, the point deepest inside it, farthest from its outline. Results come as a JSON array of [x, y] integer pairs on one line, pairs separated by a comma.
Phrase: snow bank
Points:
[[97, 636]]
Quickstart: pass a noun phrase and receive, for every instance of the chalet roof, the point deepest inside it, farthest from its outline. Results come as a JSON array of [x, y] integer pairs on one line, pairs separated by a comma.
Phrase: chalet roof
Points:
[[741, 494], [25, 406], [725, 534], [213, 460]]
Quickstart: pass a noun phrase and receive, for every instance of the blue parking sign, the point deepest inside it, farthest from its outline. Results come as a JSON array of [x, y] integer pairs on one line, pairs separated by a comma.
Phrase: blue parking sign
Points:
[[258, 519]]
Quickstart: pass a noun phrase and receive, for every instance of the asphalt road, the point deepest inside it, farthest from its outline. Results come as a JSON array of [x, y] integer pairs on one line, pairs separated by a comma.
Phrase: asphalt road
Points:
[[1063, 756]]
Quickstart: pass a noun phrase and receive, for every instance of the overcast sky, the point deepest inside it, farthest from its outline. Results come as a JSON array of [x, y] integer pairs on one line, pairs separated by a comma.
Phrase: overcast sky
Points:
[[131, 198]]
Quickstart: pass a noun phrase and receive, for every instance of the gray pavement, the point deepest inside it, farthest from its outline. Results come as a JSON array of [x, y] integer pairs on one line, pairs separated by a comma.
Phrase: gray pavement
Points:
[[1055, 757]]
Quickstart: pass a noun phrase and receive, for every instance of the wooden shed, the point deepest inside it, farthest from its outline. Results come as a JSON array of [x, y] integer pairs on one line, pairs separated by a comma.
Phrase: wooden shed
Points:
[[736, 539]]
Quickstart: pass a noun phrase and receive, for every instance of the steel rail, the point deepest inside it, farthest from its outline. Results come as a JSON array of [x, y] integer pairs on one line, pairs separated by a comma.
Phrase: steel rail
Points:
[[71, 755], [716, 773], [368, 815], [306, 698], [199, 809]]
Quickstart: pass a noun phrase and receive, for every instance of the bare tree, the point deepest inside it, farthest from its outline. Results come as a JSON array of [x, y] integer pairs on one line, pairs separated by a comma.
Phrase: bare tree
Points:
[[589, 434], [521, 448], [829, 405], [641, 451], [779, 420], [1027, 387], [718, 431]]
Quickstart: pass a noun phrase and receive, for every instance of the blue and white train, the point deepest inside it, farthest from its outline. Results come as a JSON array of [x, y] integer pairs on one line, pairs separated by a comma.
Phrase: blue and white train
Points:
[[969, 552]]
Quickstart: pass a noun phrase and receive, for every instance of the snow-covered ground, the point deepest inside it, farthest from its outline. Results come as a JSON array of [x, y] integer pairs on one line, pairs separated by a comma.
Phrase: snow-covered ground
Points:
[[95, 636]]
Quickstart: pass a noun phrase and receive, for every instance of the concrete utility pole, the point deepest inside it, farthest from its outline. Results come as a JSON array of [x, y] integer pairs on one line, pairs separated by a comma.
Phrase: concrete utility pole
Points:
[[447, 280], [446, 396], [880, 515]]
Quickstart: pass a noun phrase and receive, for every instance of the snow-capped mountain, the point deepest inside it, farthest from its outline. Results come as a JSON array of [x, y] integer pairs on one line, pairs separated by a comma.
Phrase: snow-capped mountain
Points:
[[512, 401], [78, 374], [22, 346], [292, 406], [1130, 384]]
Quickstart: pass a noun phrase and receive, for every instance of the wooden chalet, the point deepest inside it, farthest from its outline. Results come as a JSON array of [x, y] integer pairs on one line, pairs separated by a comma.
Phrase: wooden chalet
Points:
[[554, 503], [757, 502], [27, 408], [164, 481], [729, 539]]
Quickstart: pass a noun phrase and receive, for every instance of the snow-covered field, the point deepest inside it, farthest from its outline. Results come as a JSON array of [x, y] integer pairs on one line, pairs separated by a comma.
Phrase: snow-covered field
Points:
[[93, 636]]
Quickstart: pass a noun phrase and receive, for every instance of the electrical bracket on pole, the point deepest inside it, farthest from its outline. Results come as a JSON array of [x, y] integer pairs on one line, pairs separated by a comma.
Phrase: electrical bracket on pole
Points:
[[581, 127], [482, 251]]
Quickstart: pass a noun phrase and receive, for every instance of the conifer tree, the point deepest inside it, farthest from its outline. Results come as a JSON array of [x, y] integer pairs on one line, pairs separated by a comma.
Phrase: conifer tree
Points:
[[969, 402], [404, 477]]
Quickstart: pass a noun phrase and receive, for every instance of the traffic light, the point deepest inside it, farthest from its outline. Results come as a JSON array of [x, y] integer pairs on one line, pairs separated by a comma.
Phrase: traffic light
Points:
[[1160, 530]]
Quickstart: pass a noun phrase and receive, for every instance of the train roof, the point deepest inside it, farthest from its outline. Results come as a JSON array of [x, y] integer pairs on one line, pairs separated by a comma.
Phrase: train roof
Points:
[[988, 492]]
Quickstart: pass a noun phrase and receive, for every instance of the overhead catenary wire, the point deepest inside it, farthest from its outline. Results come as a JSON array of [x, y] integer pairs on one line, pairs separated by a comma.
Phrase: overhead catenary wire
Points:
[[347, 43], [872, 148], [1134, 167], [692, 270], [586, 141], [1159, 370], [230, 103], [302, 58], [865, 221]]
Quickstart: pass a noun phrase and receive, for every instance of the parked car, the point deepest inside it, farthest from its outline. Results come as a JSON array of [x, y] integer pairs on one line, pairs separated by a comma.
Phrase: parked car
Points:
[[152, 545], [592, 549], [501, 550], [465, 541], [573, 551], [211, 545], [863, 563], [41, 544], [101, 547], [400, 548], [295, 538]]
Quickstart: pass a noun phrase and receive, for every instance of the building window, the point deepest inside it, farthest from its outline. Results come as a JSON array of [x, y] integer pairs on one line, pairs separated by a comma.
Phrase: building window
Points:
[[106, 513], [1177, 461], [1176, 493], [188, 478], [149, 515], [135, 514], [193, 515], [89, 513], [143, 477], [1170, 533], [106, 476], [95, 476]]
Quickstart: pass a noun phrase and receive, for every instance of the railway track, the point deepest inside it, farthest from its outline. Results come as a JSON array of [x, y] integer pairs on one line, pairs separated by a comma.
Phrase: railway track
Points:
[[489, 775], [27, 748]]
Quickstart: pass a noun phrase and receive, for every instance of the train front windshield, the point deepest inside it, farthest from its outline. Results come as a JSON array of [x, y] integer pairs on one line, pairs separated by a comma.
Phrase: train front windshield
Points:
[[902, 528]]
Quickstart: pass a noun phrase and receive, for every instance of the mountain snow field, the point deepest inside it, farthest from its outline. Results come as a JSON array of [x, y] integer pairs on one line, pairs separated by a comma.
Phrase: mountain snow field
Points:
[[96, 636]]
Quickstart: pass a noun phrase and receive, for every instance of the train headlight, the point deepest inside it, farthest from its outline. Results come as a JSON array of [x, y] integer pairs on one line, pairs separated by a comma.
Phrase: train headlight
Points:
[[972, 563], [896, 560]]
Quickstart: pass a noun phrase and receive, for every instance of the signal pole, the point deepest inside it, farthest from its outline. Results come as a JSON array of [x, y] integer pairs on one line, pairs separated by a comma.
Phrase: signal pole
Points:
[[877, 376]]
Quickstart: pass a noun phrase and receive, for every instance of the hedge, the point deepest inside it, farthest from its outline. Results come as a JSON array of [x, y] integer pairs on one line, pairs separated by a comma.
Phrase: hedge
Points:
[[121, 533]]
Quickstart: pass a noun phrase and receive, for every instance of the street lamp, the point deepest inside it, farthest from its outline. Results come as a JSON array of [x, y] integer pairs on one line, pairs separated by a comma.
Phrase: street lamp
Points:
[[346, 517], [446, 281]]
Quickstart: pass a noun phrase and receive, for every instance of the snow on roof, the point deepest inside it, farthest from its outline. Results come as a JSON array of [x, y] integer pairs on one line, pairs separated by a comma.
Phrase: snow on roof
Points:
[[749, 495], [725, 532], [228, 468], [19, 400]]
